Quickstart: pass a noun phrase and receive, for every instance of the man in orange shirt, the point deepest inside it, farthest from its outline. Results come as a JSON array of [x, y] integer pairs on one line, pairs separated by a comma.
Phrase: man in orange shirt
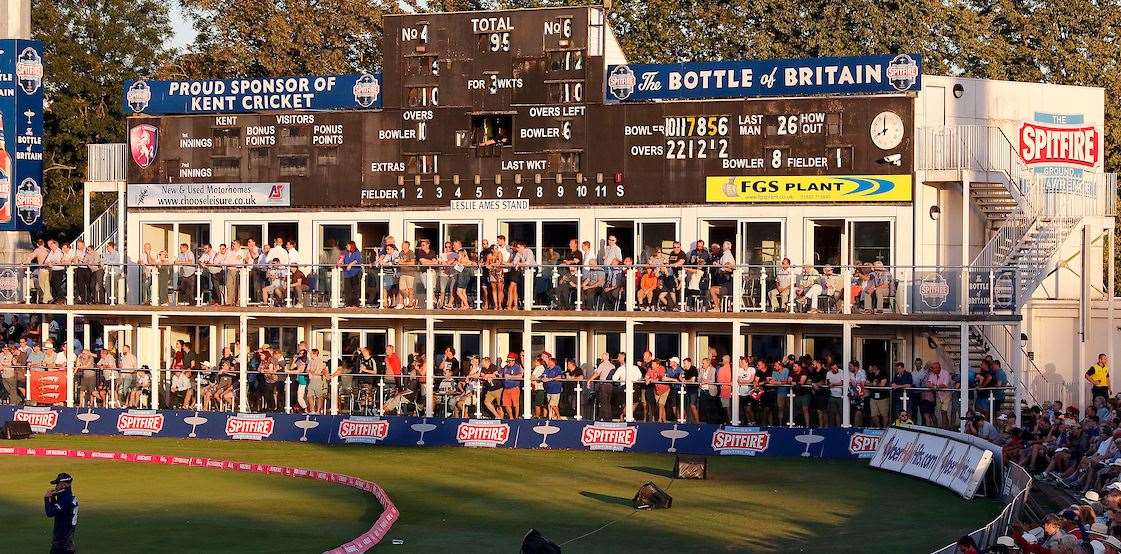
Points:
[[655, 375], [392, 363], [724, 379]]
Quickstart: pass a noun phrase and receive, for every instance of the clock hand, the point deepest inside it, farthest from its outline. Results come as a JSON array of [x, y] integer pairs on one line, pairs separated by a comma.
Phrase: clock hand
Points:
[[885, 125]]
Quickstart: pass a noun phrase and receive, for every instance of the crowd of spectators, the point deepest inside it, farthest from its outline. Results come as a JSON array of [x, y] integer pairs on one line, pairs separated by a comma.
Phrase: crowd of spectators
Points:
[[484, 275], [1079, 451]]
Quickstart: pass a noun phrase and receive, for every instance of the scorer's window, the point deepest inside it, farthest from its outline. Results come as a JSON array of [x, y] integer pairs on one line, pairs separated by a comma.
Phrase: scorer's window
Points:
[[492, 130]]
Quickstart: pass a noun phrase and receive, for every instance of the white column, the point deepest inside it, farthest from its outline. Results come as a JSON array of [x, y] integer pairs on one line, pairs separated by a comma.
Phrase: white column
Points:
[[630, 303], [527, 344], [964, 375], [429, 363], [737, 352], [243, 363], [965, 258], [243, 292], [846, 357], [1084, 319], [1017, 364], [154, 363], [628, 345], [336, 362], [68, 348], [1112, 291]]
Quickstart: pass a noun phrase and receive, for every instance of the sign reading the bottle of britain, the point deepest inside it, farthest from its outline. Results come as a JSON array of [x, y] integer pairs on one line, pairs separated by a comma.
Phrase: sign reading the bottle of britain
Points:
[[21, 138], [757, 78], [308, 92]]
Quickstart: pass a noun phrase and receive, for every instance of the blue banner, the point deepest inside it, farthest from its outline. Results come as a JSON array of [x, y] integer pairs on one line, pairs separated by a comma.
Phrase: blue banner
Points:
[[359, 91], [21, 150], [693, 438], [756, 78]]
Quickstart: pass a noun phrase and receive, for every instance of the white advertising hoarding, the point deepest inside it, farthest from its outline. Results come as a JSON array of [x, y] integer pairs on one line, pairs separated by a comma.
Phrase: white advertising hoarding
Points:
[[956, 465], [209, 195]]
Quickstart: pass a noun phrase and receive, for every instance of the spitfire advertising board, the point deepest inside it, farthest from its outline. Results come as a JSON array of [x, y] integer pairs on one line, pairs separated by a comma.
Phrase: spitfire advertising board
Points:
[[1061, 148], [756, 78], [21, 140], [360, 91], [806, 150]]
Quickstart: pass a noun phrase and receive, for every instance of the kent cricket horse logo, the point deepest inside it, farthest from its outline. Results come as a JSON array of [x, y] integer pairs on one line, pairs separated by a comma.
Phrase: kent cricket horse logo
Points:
[[143, 141]]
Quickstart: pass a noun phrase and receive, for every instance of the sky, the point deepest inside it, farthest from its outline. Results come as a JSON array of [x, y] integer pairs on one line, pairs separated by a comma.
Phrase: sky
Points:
[[182, 33]]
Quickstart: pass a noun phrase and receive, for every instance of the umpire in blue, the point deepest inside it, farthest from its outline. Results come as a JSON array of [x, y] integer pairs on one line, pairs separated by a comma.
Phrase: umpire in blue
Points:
[[61, 504]]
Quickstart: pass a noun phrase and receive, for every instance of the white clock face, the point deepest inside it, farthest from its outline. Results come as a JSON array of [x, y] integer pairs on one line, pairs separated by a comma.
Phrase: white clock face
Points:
[[887, 130]]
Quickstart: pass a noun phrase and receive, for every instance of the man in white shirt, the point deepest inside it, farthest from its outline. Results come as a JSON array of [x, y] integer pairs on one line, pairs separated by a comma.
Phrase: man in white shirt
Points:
[[612, 254], [206, 262], [836, 381], [293, 254], [186, 263], [278, 251], [232, 263]]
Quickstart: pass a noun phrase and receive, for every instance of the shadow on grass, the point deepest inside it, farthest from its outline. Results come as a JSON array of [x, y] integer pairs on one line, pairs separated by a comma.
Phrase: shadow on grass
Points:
[[668, 474], [607, 498]]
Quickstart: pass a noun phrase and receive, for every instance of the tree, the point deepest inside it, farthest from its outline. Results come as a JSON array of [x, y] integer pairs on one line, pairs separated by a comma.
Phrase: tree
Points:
[[256, 38], [91, 48]]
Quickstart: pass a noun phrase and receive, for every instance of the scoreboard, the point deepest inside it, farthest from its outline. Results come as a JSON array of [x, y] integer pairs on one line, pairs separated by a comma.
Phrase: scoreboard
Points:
[[498, 106]]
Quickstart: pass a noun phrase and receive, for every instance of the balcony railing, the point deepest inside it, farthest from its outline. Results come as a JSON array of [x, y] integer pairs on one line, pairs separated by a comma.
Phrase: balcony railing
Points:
[[868, 289], [106, 162]]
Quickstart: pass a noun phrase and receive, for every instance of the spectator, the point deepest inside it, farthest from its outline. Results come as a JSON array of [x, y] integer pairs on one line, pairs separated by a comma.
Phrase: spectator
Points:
[[808, 289], [1098, 377], [512, 387], [779, 296], [492, 388]]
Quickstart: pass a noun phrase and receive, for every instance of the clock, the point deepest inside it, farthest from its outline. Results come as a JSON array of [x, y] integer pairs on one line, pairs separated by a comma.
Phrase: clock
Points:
[[887, 130]]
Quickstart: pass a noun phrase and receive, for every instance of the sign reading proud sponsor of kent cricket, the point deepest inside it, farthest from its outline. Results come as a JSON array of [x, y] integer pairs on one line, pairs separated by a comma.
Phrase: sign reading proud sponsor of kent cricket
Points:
[[753, 78], [140, 422], [307, 92], [482, 432], [607, 435], [249, 426], [1060, 148], [740, 441], [363, 429]]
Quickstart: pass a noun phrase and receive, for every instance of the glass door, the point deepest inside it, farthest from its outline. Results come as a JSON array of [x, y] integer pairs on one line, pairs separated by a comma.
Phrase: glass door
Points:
[[871, 242], [244, 233], [467, 233], [654, 236], [623, 233], [825, 243], [716, 231], [332, 242]]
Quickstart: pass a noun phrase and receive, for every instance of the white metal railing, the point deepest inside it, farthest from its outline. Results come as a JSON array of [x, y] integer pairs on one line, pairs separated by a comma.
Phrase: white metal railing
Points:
[[103, 229], [1017, 486], [106, 162]]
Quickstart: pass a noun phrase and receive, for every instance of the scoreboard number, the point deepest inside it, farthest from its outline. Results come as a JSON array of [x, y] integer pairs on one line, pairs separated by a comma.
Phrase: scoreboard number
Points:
[[499, 42]]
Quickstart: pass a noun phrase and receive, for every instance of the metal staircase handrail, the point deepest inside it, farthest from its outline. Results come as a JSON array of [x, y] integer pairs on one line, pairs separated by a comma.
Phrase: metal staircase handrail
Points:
[[101, 230]]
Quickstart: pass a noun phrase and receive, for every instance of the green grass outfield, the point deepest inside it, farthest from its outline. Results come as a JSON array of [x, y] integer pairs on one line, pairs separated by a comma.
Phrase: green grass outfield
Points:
[[474, 500]]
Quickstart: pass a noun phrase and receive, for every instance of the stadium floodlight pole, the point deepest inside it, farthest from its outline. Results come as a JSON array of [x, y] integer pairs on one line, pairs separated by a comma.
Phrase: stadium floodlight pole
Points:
[[429, 362], [846, 377], [243, 362], [963, 372], [737, 353], [527, 377], [628, 383], [68, 348]]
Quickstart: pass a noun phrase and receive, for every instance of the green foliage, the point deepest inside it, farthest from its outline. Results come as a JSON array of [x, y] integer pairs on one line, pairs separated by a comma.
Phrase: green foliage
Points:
[[91, 48]]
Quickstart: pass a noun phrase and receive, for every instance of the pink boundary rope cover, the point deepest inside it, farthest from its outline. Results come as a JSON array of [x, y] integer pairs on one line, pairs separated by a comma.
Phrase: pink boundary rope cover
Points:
[[361, 543]]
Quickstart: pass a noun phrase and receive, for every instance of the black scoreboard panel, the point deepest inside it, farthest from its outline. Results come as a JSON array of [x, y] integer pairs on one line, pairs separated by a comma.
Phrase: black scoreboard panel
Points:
[[488, 60], [554, 154]]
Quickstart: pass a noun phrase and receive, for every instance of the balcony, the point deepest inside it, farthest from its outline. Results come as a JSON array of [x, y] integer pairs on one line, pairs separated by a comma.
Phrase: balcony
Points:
[[106, 162], [894, 293]]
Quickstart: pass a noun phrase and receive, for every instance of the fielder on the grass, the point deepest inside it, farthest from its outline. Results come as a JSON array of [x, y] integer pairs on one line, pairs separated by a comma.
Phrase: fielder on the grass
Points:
[[61, 504]]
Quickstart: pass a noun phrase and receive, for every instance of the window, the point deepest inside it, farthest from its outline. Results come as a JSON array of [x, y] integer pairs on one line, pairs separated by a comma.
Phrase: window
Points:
[[293, 165], [260, 157], [564, 162], [565, 92], [226, 167], [491, 130], [421, 164], [762, 242], [327, 155], [422, 96], [227, 138], [332, 240], [567, 60], [871, 242], [293, 136]]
